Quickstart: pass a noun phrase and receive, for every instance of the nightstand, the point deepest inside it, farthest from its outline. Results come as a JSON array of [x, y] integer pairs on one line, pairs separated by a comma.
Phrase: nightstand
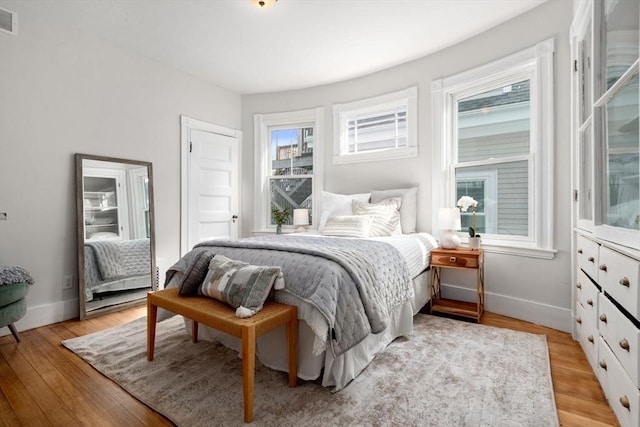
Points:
[[461, 258]]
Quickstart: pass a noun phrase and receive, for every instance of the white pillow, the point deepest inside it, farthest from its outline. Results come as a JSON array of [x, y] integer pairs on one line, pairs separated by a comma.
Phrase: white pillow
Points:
[[348, 226], [386, 216], [408, 208], [338, 204]]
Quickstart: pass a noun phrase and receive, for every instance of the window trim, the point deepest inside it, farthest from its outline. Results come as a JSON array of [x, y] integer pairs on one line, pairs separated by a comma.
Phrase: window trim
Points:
[[536, 64], [341, 113], [262, 123]]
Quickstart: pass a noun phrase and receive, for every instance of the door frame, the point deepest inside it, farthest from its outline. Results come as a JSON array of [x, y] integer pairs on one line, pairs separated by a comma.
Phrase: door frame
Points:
[[187, 124]]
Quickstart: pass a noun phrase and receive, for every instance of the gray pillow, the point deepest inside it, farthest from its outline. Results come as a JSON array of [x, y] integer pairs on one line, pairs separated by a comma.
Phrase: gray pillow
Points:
[[244, 287], [195, 274], [408, 207]]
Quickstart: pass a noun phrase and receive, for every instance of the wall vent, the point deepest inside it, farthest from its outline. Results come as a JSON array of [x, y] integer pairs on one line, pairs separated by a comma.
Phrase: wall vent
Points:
[[8, 21]]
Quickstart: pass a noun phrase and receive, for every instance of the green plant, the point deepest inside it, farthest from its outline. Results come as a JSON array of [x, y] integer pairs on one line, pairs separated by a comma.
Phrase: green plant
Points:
[[280, 215]]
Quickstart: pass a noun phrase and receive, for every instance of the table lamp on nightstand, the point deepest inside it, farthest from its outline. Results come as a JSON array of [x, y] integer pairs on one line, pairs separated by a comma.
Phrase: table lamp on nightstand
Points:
[[301, 218], [449, 221]]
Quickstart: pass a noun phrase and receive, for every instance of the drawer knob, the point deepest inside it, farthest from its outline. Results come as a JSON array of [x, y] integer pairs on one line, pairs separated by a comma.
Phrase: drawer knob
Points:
[[624, 344], [590, 339], [579, 285], [452, 259], [579, 320], [624, 401], [591, 259], [603, 364], [590, 302], [603, 267], [624, 282], [603, 318], [579, 251]]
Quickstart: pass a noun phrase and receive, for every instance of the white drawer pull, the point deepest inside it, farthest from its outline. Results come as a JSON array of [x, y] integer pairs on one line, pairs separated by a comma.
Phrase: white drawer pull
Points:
[[579, 320], [590, 339], [579, 285], [603, 318], [625, 282], [603, 267], [590, 302], [591, 259], [579, 251], [603, 364], [624, 401], [624, 344], [452, 259]]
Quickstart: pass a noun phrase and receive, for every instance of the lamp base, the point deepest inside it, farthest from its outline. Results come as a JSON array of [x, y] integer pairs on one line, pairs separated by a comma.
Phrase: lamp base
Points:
[[301, 229], [449, 240]]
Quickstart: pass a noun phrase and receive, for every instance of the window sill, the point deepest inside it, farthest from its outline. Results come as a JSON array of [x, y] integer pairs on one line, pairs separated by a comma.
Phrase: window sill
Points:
[[505, 249]]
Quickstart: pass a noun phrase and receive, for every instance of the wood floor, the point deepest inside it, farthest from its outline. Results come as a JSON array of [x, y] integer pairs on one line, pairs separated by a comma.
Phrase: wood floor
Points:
[[42, 383]]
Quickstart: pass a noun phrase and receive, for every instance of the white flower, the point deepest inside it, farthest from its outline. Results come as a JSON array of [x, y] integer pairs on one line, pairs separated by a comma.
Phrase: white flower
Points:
[[466, 202]]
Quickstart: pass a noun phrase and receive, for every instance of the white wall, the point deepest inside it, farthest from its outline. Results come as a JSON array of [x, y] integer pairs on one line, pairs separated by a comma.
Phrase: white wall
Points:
[[63, 92], [531, 289]]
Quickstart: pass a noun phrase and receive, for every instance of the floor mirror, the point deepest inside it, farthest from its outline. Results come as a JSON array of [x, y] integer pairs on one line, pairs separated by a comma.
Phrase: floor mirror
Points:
[[116, 236]]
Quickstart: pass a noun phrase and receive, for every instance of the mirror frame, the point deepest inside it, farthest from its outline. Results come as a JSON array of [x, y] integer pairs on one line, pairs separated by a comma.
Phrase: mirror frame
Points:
[[81, 233]]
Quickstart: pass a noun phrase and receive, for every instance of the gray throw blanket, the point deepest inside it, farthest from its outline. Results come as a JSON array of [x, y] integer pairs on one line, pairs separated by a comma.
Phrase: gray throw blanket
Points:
[[11, 274], [355, 284], [117, 258]]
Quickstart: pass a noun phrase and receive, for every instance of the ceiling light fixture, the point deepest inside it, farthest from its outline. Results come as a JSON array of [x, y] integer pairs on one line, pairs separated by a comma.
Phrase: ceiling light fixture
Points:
[[268, 3]]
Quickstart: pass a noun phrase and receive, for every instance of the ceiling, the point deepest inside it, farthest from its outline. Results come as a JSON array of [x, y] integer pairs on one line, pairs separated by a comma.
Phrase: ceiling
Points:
[[293, 44]]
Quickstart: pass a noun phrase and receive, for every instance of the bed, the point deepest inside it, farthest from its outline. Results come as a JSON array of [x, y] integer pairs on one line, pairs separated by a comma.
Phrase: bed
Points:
[[357, 282], [116, 265]]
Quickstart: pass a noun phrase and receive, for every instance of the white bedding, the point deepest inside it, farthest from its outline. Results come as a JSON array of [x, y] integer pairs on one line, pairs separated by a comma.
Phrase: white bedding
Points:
[[313, 331]]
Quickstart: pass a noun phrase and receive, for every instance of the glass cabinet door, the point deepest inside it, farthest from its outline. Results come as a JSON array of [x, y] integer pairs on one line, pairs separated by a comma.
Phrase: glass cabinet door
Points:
[[585, 178], [621, 38], [622, 168]]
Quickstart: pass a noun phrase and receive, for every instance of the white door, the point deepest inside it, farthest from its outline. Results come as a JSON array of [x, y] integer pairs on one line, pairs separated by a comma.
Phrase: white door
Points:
[[211, 183]]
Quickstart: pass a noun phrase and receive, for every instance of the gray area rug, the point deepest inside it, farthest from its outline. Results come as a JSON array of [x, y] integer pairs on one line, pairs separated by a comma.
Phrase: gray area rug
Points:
[[448, 373]]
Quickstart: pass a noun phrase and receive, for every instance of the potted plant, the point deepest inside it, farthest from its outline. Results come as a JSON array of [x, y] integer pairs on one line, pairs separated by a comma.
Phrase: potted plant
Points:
[[280, 216], [464, 203]]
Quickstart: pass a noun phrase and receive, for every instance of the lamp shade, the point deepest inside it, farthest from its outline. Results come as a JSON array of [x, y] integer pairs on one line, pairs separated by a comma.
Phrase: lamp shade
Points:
[[449, 219], [301, 218]]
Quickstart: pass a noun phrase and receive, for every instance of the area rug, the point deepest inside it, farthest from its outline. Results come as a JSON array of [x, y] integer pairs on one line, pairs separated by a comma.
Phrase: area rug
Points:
[[448, 373]]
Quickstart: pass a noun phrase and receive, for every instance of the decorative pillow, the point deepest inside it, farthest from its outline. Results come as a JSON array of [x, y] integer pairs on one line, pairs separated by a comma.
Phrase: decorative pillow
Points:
[[194, 275], [386, 217], [408, 207], [348, 226], [244, 287], [338, 204]]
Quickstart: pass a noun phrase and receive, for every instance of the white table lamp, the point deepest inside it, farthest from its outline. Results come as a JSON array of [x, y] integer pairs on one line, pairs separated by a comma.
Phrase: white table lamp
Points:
[[301, 218], [449, 221]]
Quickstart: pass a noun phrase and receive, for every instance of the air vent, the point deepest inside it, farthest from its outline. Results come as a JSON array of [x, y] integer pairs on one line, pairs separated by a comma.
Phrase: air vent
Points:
[[8, 21]]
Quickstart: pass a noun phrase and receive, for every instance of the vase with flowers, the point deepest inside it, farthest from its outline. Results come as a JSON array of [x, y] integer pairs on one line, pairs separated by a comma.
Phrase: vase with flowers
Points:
[[464, 203], [280, 216]]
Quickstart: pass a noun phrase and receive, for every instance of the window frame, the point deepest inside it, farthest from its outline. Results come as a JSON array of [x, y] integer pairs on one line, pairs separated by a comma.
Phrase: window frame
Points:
[[344, 112], [263, 124], [536, 65]]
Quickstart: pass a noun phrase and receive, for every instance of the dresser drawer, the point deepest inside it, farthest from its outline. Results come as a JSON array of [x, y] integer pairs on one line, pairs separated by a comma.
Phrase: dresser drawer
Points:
[[619, 276], [587, 296], [622, 394], [587, 256], [462, 260], [587, 333], [622, 336]]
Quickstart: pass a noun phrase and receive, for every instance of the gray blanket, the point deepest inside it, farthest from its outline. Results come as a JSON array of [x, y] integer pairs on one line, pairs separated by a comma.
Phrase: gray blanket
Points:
[[114, 259], [355, 284]]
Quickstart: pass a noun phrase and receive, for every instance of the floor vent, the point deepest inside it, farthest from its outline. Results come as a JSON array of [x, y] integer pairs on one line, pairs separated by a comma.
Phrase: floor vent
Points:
[[8, 21]]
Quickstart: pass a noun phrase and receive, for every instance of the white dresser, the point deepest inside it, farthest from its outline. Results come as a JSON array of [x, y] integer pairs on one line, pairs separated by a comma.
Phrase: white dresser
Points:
[[607, 326]]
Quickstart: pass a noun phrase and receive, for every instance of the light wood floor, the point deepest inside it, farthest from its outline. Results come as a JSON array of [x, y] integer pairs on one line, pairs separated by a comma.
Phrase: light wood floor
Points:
[[42, 383]]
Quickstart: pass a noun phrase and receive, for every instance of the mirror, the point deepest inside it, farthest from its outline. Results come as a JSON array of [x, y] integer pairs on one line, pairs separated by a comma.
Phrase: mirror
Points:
[[116, 237]]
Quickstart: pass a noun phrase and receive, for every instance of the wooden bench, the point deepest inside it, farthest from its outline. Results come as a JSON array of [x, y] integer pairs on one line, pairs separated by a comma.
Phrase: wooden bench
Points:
[[222, 317]]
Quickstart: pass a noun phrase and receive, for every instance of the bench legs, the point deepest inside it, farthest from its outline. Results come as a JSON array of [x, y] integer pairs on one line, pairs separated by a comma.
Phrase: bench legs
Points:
[[152, 313], [248, 369]]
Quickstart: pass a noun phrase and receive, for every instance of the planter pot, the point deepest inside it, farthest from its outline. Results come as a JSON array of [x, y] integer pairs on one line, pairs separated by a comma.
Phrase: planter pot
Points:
[[474, 242]]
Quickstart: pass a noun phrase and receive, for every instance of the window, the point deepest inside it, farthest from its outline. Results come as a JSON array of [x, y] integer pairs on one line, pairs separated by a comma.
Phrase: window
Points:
[[494, 135], [288, 163], [377, 128]]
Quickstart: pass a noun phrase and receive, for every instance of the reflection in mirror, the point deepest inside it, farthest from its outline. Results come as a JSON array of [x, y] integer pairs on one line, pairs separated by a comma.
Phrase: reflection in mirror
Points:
[[116, 248]]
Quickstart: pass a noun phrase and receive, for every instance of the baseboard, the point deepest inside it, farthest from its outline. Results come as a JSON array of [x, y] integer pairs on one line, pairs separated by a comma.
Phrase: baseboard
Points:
[[45, 314], [530, 311]]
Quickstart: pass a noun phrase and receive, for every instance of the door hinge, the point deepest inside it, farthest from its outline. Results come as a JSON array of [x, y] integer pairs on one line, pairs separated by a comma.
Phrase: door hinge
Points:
[[190, 146], [575, 195], [575, 65]]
